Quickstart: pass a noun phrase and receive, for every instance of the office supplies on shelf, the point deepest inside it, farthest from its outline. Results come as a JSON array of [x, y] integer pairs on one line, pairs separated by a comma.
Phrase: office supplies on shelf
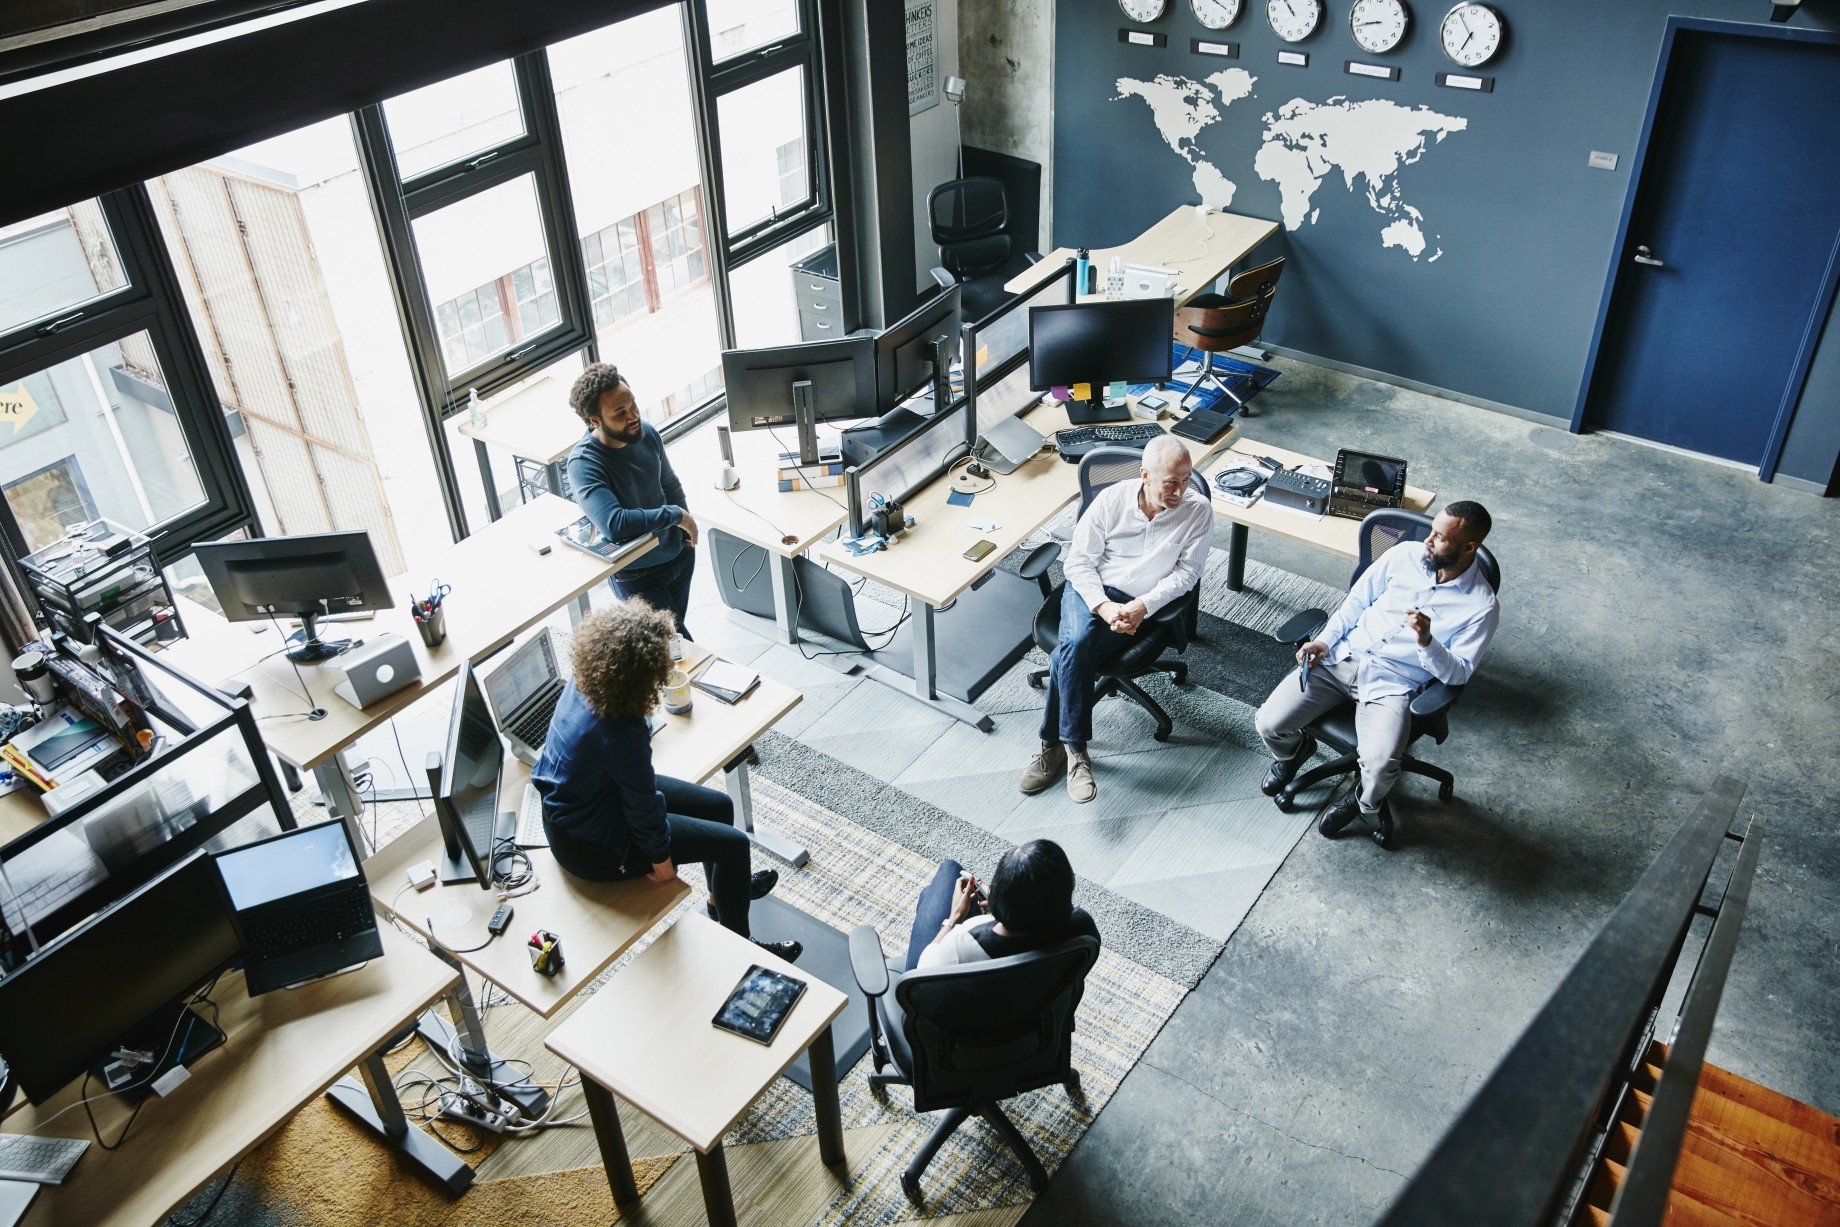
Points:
[[758, 1006], [39, 1160], [62, 746], [1076, 441], [1298, 490], [1364, 482], [1203, 425], [726, 680], [524, 692], [300, 905]]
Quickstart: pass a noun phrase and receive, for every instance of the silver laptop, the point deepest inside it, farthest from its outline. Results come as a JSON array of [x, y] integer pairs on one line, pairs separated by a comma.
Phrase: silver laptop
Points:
[[1009, 444], [523, 692]]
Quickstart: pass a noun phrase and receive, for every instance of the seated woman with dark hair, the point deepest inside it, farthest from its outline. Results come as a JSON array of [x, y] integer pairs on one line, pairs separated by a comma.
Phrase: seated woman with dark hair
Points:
[[607, 815], [1031, 906]]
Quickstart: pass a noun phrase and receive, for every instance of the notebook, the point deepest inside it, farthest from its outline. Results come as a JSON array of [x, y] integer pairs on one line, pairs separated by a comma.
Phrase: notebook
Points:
[[725, 680]]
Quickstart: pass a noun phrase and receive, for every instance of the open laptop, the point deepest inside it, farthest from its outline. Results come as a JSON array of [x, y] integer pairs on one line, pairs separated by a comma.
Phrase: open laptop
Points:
[[523, 692], [300, 906], [1365, 482], [1009, 444]]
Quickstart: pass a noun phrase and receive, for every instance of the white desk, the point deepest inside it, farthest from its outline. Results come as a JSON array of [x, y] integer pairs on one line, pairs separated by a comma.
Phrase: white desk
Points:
[[1199, 249]]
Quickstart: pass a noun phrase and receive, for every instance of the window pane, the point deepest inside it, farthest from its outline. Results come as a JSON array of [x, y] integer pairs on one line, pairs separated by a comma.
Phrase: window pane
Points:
[[475, 254], [756, 122], [452, 119], [96, 436], [742, 25], [539, 406], [54, 262], [638, 201], [766, 309], [277, 253]]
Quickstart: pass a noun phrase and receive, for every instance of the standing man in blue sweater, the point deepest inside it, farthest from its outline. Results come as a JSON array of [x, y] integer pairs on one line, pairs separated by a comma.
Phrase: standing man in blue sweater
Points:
[[622, 480]]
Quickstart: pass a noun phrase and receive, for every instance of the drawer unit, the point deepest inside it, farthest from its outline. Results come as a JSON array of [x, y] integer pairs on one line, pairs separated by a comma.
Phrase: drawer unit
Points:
[[818, 293], [104, 569]]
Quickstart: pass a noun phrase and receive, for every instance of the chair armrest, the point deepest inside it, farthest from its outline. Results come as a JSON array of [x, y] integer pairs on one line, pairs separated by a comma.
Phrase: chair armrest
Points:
[[1301, 627], [867, 962], [1174, 612], [946, 280], [1036, 563], [1434, 699]]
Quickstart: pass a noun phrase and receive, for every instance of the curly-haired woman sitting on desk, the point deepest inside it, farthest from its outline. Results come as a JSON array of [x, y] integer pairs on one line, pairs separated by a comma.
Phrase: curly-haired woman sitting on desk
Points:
[[607, 815]]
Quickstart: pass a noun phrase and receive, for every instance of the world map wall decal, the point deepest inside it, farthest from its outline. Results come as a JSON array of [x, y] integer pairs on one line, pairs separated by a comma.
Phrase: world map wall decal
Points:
[[1368, 140]]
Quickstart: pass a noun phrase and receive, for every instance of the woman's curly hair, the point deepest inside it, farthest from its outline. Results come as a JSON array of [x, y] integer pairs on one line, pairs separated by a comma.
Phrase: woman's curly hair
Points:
[[621, 656]]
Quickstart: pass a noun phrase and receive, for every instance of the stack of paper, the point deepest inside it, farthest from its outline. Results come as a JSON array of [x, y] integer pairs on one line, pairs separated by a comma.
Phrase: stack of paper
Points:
[[726, 681]]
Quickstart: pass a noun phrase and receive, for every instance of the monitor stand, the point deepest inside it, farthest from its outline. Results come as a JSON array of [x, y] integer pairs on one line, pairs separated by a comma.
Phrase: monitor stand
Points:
[[177, 1035], [313, 649], [1096, 413]]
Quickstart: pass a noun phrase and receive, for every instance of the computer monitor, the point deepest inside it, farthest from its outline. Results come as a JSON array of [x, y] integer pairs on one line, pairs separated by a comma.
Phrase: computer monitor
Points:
[[918, 350], [1096, 343], [800, 386], [120, 981], [308, 577], [465, 785]]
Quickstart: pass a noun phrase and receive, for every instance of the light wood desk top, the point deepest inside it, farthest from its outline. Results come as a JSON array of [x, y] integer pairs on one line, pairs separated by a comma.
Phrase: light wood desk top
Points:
[[756, 510], [647, 1037], [927, 562], [1326, 532], [1198, 249], [535, 422], [283, 1049], [500, 587], [597, 921]]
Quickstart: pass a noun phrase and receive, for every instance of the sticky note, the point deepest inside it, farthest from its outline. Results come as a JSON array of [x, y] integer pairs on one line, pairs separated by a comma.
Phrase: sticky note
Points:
[[1060, 393], [958, 498], [1082, 391], [1116, 392]]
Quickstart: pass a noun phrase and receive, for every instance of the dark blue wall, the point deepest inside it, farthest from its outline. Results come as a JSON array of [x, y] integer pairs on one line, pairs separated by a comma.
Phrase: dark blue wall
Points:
[[1526, 227]]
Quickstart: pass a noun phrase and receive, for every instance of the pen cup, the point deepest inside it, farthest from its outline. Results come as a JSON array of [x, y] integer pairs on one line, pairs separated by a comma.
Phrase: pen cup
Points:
[[433, 626], [676, 692]]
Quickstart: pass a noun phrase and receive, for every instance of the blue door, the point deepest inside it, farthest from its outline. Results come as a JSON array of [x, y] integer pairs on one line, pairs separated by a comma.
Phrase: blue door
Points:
[[1727, 248]]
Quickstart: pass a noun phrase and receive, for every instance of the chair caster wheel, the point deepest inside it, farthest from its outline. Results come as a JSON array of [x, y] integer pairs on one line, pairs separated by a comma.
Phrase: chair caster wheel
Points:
[[1037, 683], [1285, 802], [1446, 792], [910, 1185], [1162, 734], [1383, 831], [1072, 1083]]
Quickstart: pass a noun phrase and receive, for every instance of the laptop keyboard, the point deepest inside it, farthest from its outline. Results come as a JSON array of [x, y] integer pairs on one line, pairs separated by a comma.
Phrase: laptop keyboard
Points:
[[532, 726], [39, 1160], [338, 920]]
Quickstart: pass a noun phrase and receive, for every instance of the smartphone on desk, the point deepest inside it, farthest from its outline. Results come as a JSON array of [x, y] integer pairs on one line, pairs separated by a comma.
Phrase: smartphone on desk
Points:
[[977, 552]]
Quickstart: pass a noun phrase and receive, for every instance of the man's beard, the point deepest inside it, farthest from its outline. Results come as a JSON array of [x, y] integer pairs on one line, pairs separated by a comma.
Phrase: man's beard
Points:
[[631, 431], [1446, 561]]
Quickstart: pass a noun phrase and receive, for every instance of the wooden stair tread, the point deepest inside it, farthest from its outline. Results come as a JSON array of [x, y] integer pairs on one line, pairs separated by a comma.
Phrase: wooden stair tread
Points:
[[1754, 1156]]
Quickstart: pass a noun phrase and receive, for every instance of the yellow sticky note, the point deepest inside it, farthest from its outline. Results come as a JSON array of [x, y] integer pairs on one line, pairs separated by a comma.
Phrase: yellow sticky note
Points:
[[1082, 391]]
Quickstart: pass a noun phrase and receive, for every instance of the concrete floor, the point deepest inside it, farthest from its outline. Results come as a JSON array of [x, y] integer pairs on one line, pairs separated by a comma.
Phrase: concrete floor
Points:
[[1665, 620]]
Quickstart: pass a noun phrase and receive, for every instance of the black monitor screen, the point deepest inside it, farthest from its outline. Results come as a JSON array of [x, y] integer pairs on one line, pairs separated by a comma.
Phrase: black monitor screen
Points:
[[1098, 342], [470, 769], [759, 382], [1375, 474], [320, 573], [904, 352], [67, 1007]]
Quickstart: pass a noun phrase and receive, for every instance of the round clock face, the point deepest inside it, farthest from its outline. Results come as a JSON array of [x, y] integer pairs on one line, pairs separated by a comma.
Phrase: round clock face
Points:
[[1471, 34], [1377, 25], [1216, 14], [1293, 20], [1143, 10]]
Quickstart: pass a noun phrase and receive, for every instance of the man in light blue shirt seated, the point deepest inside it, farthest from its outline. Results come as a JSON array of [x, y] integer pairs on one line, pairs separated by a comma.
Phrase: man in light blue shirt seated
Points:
[[1418, 614]]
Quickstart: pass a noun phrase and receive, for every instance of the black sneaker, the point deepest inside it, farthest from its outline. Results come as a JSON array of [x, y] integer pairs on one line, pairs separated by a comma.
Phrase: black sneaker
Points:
[[759, 887], [790, 951], [1283, 770]]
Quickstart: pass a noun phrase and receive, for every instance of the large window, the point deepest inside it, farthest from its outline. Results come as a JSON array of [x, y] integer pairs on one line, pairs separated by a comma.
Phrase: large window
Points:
[[486, 268]]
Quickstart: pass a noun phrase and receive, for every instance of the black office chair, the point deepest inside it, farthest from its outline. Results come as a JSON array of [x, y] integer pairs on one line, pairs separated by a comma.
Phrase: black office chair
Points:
[[1171, 627], [1380, 532], [969, 1036], [969, 222]]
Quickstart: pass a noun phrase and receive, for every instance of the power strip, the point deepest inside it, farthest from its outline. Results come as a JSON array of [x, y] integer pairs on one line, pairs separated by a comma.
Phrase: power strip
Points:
[[456, 1107]]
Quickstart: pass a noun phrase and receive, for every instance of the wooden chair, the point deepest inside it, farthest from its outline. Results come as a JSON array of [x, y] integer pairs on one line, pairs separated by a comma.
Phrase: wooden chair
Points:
[[1214, 323]]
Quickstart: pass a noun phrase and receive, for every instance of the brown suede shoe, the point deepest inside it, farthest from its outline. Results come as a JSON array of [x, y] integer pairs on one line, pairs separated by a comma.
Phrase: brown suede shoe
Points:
[[1080, 784], [1044, 769]]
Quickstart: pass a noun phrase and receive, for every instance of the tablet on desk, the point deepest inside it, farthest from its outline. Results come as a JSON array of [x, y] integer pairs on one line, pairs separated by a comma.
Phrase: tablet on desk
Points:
[[758, 1007], [586, 536]]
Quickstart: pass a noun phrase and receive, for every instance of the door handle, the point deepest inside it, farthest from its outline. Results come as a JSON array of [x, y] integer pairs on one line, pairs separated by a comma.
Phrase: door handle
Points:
[[1645, 256]]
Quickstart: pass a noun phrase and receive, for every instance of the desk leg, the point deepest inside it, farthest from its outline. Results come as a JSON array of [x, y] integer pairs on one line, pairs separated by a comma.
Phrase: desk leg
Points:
[[824, 1099], [485, 479], [785, 599], [718, 1197], [1236, 557], [381, 1112], [552, 477], [340, 793], [466, 1043], [605, 1115], [735, 779], [926, 653]]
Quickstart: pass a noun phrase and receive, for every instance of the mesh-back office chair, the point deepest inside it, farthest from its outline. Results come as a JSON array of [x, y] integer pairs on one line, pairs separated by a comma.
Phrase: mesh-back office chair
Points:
[[969, 222], [1170, 627], [969, 1036], [1380, 532], [1215, 323]]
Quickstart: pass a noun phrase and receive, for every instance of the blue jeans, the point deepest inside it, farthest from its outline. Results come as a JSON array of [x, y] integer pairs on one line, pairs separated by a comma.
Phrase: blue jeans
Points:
[[665, 586], [931, 912], [1085, 644]]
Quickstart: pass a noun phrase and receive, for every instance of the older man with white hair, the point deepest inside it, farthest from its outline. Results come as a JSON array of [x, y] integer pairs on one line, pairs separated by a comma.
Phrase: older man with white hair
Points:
[[1139, 546]]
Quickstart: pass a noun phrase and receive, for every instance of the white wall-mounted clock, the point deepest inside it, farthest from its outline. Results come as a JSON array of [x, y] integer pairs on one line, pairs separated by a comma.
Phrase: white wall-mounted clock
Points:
[[1143, 10], [1378, 25], [1471, 34], [1293, 20], [1216, 14]]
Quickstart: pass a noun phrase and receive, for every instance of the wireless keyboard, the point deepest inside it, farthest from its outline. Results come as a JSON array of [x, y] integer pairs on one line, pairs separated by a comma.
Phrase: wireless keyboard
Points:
[[39, 1160], [1076, 441]]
